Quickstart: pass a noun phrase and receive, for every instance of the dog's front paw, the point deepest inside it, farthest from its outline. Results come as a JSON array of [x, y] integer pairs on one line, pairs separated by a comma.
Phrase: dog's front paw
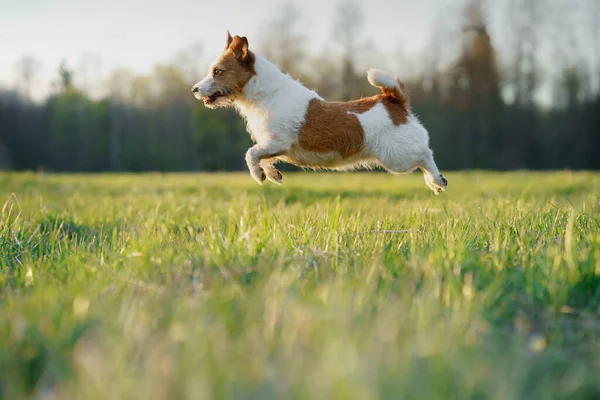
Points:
[[258, 175], [274, 175]]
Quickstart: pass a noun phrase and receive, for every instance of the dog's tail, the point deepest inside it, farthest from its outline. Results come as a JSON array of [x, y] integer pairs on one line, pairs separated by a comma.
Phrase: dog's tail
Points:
[[389, 85]]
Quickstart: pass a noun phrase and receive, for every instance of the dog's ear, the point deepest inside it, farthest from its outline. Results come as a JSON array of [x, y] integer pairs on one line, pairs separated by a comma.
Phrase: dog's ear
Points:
[[239, 46], [229, 40]]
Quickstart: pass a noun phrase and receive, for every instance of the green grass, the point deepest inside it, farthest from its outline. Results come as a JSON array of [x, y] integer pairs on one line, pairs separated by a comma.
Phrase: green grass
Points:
[[205, 286]]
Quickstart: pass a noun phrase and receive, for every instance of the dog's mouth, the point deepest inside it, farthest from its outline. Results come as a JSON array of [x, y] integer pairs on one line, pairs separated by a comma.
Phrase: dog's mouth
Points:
[[214, 97]]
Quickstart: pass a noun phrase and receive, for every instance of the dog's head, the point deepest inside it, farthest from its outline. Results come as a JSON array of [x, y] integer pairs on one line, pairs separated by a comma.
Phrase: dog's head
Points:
[[228, 75]]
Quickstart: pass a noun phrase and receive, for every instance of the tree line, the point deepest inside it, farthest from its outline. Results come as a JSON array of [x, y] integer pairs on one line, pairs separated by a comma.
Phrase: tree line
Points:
[[481, 112]]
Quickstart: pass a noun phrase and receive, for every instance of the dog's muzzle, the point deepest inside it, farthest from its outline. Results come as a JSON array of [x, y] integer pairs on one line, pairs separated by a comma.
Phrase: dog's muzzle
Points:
[[196, 91]]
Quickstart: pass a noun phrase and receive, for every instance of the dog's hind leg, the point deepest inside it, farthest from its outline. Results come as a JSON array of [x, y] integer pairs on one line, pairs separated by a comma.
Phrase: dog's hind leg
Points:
[[433, 178]]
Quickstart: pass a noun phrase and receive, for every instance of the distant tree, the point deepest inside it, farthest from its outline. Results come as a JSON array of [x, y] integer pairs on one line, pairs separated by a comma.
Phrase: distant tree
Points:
[[348, 31], [325, 68], [5, 159], [27, 67], [170, 85], [88, 72], [282, 39], [220, 139], [565, 140], [435, 63], [65, 81], [118, 85], [524, 23], [571, 89], [190, 61], [348, 25], [592, 107], [475, 91], [592, 125], [593, 12]]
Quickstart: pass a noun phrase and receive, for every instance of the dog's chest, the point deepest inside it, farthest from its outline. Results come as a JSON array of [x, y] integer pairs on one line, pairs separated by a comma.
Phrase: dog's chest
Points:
[[257, 121], [258, 127], [280, 118]]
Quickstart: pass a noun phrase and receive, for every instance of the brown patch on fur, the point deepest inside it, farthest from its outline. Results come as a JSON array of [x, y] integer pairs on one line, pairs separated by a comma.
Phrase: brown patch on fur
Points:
[[330, 127], [397, 103], [397, 110], [237, 66]]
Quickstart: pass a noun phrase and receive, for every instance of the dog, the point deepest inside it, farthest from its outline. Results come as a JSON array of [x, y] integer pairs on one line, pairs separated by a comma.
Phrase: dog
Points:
[[291, 123]]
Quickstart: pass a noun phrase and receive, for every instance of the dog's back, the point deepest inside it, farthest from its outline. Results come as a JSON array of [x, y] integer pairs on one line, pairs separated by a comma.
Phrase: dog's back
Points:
[[353, 133]]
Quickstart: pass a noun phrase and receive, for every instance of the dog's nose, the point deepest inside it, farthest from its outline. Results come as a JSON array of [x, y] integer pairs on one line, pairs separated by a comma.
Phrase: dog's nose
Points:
[[195, 89]]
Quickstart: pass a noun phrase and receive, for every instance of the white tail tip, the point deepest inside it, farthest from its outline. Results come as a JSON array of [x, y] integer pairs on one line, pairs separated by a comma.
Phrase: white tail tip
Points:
[[382, 79]]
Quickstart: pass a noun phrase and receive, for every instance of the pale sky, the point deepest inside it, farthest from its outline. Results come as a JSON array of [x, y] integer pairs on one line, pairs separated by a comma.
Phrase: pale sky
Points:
[[137, 34]]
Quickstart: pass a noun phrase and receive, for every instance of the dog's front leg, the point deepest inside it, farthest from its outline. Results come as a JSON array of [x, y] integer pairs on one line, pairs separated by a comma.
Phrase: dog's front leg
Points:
[[255, 154]]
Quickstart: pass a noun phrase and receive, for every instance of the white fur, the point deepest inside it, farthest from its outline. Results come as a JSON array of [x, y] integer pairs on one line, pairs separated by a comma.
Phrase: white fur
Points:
[[381, 79], [275, 106], [205, 86]]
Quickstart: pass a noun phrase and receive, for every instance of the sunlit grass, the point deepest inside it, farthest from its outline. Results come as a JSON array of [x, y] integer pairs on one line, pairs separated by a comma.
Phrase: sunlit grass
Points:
[[364, 286]]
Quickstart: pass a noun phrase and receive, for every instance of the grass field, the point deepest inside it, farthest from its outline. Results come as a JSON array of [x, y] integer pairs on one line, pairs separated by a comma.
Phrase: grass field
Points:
[[332, 286]]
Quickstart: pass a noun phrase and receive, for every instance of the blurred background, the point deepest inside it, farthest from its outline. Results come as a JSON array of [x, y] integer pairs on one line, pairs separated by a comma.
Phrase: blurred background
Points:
[[105, 85]]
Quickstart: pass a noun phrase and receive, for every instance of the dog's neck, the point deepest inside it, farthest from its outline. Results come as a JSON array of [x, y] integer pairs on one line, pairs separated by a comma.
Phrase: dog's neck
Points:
[[265, 83], [266, 87]]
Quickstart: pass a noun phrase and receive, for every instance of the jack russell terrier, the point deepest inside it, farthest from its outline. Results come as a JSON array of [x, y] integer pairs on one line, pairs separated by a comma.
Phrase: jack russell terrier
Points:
[[291, 123]]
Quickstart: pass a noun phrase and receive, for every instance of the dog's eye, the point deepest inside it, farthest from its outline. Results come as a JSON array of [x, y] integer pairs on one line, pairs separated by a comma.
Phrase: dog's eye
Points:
[[217, 72]]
